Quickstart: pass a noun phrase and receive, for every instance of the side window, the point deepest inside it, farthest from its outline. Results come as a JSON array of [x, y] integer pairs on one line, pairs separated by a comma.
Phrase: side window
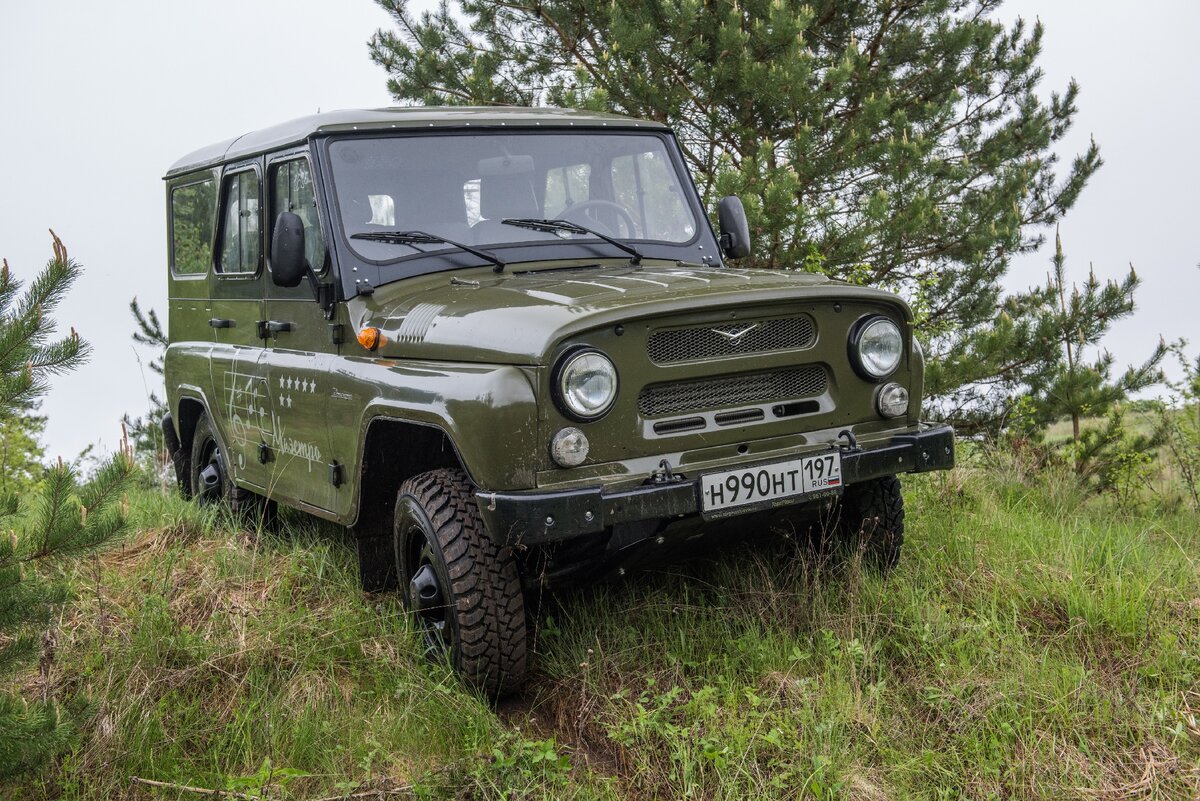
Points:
[[292, 190], [240, 224], [627, 191], [193, 209], [565, 186], [665, 213]]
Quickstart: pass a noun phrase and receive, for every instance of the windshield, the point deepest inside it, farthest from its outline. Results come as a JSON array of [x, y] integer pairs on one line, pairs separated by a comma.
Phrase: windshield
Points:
[[463, 187]]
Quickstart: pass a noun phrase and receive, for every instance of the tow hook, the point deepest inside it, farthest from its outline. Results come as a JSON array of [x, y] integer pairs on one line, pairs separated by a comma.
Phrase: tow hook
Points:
[[851, 440], [664, 474]]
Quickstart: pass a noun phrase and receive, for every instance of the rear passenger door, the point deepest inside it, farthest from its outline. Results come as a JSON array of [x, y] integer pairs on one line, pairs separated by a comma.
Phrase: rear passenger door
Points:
[[193, 212], [299, 350], [243, 417]]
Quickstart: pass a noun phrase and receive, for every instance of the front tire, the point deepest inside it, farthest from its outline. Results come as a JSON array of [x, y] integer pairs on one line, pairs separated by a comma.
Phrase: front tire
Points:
[[871, 518], [463, 590]]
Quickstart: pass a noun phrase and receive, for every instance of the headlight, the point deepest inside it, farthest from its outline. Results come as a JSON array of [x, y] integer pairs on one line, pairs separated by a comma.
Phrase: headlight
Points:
[[586, 384], [876, 347], [892, 400], [569, 447]]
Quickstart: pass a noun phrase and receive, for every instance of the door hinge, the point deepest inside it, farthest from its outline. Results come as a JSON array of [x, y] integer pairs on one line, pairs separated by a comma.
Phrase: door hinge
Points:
[[336, 474], [264, 453], [337, 335], [326, 299]]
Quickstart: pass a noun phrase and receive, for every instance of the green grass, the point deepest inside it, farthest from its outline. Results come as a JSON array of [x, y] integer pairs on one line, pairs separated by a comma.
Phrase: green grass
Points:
[[1032, 644]]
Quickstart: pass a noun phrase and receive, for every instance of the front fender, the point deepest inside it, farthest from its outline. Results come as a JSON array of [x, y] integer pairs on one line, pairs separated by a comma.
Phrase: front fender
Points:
[[488, 411]]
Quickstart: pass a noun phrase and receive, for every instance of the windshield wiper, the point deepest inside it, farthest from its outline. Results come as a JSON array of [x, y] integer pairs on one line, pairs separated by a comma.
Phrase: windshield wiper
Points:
[[551, 226], [422, 238]]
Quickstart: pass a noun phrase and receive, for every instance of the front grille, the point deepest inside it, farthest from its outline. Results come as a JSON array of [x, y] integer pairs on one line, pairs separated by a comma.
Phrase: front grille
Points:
[[731, 390], [730, 339]]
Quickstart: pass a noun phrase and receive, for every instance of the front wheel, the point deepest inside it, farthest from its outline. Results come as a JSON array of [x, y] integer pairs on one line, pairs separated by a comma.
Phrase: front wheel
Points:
[[871, 518], [463, 590]]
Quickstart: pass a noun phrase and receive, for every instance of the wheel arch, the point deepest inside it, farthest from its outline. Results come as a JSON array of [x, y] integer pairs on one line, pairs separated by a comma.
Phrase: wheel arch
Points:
[[187, 415], [394, 450]]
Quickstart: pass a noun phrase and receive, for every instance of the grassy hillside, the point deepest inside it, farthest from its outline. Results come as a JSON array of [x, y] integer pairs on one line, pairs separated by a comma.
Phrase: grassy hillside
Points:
[[1030, 645]]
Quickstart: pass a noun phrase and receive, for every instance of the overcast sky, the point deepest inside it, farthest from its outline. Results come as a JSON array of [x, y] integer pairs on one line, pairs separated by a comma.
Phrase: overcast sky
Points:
[[99, 99]]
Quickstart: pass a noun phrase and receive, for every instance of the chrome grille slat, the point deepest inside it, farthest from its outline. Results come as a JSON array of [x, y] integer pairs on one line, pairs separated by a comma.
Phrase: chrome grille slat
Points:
[[722, 392], [674, 345]]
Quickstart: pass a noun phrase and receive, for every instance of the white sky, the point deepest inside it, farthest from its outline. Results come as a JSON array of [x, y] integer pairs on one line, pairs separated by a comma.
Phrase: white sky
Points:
[[100, 98]]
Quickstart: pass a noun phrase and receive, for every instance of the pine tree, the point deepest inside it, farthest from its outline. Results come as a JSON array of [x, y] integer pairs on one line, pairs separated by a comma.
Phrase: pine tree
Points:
[[21, 450], [62, 519], [145, 433], [902, 143], [1073, 378], [1078, 319]]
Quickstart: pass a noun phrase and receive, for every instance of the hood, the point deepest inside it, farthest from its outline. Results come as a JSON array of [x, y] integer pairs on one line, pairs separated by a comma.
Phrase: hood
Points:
[[517, 318]]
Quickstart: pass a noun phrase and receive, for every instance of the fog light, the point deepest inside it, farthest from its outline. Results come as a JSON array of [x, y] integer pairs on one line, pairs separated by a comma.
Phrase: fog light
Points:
[[892, 400], [569, 447]]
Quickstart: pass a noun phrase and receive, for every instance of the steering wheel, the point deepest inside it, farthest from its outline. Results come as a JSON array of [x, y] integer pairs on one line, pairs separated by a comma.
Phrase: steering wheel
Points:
[[581, 208]]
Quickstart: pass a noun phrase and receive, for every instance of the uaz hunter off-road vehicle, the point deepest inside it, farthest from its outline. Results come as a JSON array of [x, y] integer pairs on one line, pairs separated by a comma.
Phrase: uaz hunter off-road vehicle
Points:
[[505, 346]]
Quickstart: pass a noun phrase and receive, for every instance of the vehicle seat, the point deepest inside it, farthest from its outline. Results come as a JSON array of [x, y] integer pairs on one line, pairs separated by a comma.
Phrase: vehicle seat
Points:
[[433, 204], [502, 197]]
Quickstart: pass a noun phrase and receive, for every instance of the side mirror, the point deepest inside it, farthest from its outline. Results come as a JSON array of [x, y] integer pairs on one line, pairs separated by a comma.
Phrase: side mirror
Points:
[[735, 229], [288, 265]]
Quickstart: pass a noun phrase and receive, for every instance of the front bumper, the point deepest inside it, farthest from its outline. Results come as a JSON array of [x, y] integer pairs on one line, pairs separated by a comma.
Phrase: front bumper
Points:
[[540, 517]]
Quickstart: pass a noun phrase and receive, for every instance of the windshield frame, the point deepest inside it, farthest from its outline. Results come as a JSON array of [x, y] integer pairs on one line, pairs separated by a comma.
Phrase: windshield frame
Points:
[[409, 262]]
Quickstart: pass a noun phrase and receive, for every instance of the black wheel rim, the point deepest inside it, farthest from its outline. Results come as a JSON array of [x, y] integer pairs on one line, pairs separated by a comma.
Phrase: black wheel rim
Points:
[[212, 475], [425, 595], [427, 602]]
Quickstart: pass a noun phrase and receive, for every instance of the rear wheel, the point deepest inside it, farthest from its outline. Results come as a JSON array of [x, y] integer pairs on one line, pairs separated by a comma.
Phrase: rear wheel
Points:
[[871, 519], [463, 590], [211, 483]]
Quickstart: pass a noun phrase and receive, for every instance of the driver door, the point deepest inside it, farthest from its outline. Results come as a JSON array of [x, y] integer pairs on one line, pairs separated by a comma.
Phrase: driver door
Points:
[[299, 353]]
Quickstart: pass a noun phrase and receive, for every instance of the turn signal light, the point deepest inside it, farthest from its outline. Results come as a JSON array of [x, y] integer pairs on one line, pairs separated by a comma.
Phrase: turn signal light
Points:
[[370, 338]]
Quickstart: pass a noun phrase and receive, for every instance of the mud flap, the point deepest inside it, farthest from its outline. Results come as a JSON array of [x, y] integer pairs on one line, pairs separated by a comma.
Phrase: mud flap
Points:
[[376, 562], [180, 458]]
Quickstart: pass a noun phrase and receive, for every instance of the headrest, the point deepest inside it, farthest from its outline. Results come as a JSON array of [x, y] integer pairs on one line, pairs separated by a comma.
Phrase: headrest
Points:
[[502, 196]]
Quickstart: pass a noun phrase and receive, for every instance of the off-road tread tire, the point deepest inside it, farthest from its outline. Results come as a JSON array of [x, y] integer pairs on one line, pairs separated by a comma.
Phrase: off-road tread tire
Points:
[[489, 650], [872, 518], [247, 506]]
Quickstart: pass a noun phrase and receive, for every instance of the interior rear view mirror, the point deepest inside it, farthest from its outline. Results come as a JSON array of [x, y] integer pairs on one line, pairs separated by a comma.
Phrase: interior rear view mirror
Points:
[[506, 165]]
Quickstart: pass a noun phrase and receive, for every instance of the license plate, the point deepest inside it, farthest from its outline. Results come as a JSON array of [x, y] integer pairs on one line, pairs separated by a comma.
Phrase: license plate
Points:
[[808, 475]]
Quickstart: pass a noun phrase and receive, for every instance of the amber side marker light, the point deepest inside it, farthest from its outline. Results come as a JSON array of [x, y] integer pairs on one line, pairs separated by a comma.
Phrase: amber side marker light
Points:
[[370, 338]]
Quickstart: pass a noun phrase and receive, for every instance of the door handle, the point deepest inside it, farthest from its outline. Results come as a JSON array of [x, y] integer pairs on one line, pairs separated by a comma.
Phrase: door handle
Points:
[[218, 322], [272, 328]]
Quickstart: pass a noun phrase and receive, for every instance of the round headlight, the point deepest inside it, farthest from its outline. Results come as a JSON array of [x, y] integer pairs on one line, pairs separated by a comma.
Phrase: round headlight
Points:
[[877, 347], [569, 447], [892, 400], [587, 384]]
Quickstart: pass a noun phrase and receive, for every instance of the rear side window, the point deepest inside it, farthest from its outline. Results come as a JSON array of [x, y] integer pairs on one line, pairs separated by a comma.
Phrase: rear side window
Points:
[[240, 250], [292, 190], [193, 210]]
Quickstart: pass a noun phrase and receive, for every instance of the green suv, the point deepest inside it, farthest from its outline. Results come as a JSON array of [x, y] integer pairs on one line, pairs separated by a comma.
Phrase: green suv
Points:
[[506, 347]]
